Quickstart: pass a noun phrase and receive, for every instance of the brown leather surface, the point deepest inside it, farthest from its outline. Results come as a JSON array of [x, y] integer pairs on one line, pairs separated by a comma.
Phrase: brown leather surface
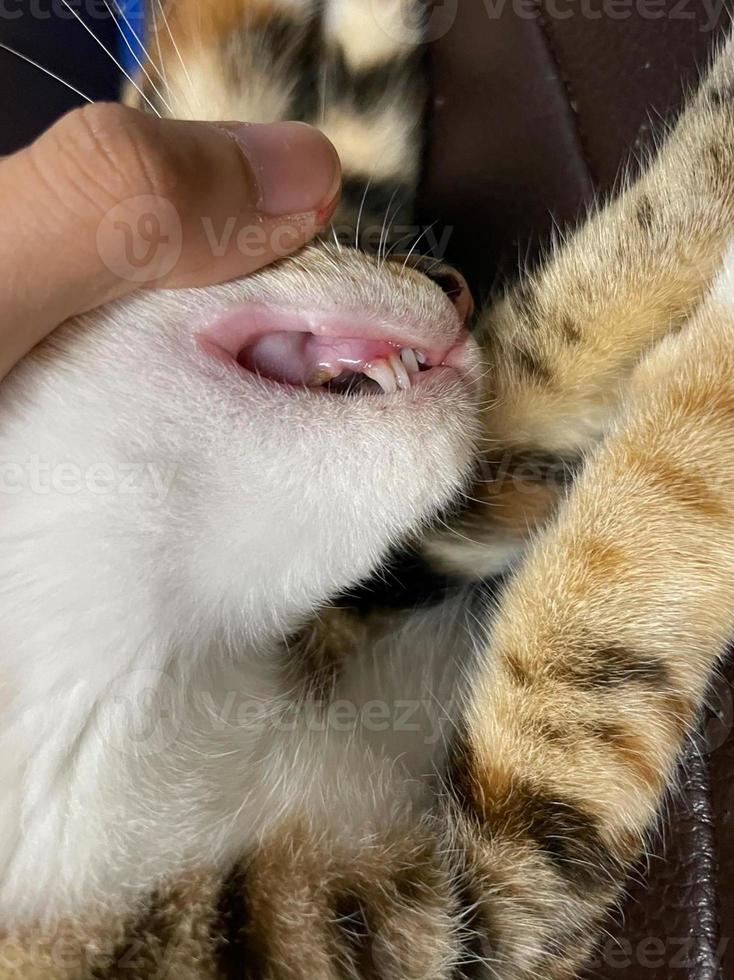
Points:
[[503, 149], [679, 916], [531, 117], [722, 783], [670, 926]]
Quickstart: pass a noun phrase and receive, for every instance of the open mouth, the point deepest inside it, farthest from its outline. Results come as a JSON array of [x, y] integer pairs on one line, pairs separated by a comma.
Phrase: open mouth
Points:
[[324, 351], [342, 365]]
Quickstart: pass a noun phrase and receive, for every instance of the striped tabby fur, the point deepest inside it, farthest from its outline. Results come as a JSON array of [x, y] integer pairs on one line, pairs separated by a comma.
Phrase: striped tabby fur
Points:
[[609, 427], [333, 65]]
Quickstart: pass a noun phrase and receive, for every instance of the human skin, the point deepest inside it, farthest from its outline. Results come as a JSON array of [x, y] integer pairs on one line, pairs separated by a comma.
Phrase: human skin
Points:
[[67, 198]]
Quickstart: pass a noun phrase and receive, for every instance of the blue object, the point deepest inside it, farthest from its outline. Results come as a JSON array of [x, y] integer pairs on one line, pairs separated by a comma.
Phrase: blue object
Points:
[[131, 18]]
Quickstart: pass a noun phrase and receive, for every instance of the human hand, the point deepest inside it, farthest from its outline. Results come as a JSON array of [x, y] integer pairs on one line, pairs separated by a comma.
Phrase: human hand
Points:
[[110, 200]]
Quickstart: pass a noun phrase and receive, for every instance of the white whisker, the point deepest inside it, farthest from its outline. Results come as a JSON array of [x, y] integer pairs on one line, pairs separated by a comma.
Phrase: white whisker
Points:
[[415, 243], [110, 55], [130, 48], [175, 46], [160, 66], [396, 243], [46, 71], [385, 230], [322, 99], [361, 209]]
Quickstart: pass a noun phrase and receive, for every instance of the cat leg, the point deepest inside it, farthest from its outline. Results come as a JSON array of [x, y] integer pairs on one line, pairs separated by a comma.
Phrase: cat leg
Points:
[[560, 346], [588, 680], [562, 341], [598, 661]]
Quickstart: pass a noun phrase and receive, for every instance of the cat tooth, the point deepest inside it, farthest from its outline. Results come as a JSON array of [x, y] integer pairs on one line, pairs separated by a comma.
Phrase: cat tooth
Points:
[[407, 356], [402, 376], [421, 357], [321, 376], [381, 372]]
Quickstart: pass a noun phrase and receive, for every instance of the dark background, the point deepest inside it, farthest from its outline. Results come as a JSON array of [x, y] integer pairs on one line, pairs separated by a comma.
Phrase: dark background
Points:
[[47, 32]]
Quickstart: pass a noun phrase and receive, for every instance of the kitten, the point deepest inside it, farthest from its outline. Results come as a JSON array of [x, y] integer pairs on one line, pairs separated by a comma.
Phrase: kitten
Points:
[[214, 761]]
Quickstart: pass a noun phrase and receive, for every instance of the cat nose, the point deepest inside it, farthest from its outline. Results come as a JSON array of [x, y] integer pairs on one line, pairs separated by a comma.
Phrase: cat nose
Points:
[[449, 279]]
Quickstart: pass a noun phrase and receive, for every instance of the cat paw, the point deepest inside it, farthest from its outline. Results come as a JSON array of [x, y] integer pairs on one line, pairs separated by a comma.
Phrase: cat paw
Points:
[[307, 905]]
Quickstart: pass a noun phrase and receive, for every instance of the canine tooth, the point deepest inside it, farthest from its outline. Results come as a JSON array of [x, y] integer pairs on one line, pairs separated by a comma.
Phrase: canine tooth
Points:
[[381, 372], [421, 357], [401, 374], [407, 356]]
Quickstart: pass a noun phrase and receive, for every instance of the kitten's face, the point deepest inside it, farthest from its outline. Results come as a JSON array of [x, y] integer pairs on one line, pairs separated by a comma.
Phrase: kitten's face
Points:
[[256, 493]]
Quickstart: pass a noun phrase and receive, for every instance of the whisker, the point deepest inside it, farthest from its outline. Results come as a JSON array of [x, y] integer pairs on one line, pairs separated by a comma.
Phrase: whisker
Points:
[[161, 65], [361, 209], [110, 55], [385, 230], [324, 85], [175, 46], [46, 71], [414, 245], [430, 265], [116, 18], [402, 238], [397, 243], [130, 48]]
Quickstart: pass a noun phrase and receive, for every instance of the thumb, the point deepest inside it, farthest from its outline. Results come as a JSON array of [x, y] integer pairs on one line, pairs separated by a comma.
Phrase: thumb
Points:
[[110, 200]]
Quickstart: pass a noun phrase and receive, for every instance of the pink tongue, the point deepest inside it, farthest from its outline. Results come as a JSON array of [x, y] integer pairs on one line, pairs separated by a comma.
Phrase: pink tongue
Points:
[[305, 359]]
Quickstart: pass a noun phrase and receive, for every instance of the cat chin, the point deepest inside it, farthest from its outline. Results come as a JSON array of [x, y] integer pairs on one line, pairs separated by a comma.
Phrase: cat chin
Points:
[[151, 469], [161, 512]]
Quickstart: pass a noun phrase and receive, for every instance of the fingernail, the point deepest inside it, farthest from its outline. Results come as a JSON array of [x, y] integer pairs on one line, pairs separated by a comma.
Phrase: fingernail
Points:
[[295, 166]]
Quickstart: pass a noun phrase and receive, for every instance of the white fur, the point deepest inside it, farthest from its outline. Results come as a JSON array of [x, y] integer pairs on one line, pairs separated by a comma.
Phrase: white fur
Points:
[[137, 621], [723, 288]]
